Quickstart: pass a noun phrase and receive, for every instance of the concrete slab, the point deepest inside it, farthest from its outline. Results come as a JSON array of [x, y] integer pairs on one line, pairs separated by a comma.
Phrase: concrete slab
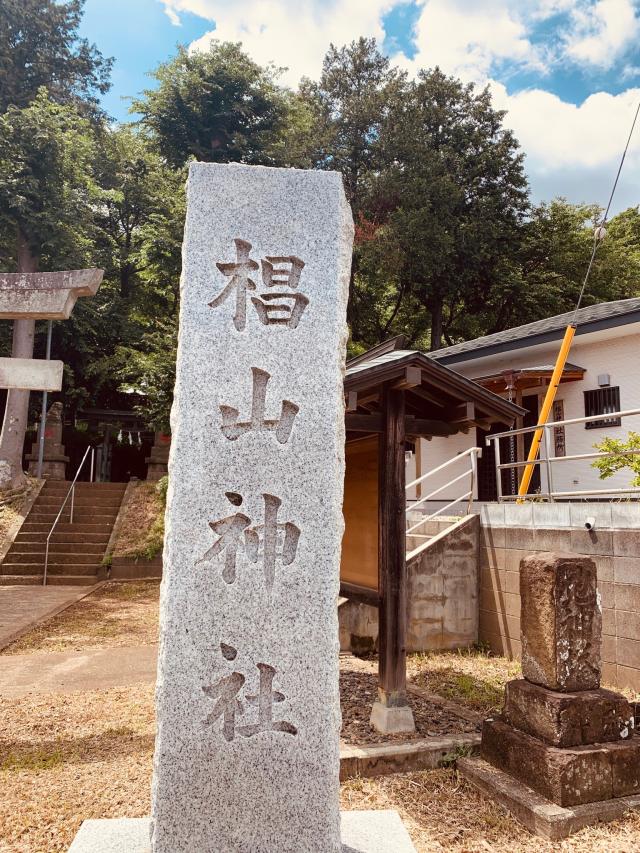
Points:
[[409, 757], [539, 815], [362, 832], [23, 607], [64, 672]]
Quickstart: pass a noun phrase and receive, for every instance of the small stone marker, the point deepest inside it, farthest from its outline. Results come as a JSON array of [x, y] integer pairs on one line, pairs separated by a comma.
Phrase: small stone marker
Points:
[[247, 752], [559, 734], [561, 622]]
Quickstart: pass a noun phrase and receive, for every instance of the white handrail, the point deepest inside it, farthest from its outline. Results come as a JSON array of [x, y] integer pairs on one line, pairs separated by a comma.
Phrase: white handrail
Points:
[[72, 492], [550, 493], [473, 453]]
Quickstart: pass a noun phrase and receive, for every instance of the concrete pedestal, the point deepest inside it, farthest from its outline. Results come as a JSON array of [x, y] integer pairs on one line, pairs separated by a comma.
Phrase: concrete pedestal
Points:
[[362, 832], [392, 720]]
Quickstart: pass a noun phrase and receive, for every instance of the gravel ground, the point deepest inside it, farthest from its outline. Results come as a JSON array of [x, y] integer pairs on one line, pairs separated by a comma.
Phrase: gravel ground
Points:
[[358, 689]]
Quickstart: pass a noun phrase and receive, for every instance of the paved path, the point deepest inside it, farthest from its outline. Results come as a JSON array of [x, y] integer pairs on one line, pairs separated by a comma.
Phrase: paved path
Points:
[[22, 607], [64, 672]]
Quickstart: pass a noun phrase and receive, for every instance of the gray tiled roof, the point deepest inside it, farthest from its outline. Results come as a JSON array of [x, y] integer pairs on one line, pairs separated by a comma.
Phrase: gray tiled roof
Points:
[[603, 315], [379, 359]]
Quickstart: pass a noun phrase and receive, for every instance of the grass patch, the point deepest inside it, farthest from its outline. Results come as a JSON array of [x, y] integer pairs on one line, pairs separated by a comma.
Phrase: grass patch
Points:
[[37, 760], [472, 677], [141, 525]]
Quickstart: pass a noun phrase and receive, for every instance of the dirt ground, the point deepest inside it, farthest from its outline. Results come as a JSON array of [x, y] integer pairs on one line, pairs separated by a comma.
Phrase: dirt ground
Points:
[[69, 757], [117, 614], [64, 758]]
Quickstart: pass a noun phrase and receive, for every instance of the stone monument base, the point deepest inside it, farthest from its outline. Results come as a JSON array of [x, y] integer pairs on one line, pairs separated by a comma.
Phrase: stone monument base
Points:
[[362, 832], [571, 776], [538, 814]]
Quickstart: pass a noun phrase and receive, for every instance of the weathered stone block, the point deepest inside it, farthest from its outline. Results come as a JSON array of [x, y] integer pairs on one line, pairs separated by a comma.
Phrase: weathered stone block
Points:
[[561, 622], [567, 719], [565, 776]]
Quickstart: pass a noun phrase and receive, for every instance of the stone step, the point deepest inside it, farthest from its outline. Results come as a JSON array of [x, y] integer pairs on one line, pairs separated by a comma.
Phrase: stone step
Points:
[[79, 517], [15, 569], [61, 557], [65, 527], [55, 501], [30, 537], [22, 547], [53, 580], [63, 486]]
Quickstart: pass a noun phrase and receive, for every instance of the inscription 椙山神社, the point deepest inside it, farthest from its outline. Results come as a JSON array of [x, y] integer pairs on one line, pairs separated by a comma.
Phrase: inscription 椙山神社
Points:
[[232, 428], [283, 271], [229, 703], [271, 541]]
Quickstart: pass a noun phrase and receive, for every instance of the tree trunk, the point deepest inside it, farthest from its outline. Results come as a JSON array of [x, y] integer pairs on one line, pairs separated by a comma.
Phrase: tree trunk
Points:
[[435, 307], [16, 414]]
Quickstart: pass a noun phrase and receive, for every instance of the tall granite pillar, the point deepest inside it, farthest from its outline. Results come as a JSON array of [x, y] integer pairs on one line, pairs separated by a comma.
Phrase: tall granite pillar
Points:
[[54, 461], [247, 752], [559, 733]]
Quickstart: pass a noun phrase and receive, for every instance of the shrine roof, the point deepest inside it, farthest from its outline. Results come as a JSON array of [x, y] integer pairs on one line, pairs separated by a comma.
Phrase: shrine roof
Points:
[[371, 370]]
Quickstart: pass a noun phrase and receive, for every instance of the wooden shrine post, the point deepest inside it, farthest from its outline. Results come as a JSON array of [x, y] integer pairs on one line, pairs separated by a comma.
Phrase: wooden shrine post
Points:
[[391, 712]]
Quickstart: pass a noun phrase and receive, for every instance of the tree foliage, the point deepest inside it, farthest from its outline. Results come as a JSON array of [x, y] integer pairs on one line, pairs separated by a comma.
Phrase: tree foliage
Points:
[[625, 455], [218, 106], [40, 47]]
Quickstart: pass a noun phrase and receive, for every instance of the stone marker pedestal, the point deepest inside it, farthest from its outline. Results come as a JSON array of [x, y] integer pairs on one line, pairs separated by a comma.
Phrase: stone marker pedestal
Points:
[[560, 741], [158, 459], [54, 462]]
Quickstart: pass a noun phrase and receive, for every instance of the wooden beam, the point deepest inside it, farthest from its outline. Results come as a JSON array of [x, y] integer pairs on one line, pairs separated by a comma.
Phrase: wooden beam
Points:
[[412, 379], [420, 392], [462, 413], [352, 401], [363, 423], [361, 594], [412, 426], [392, 567], [428, 426]]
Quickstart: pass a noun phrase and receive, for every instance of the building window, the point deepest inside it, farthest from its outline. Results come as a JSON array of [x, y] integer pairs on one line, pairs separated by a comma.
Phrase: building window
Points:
[[602, 401]]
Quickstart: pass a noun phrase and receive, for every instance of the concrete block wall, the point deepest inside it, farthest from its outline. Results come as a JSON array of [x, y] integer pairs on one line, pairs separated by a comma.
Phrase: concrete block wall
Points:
[[510, 532], [442, 594]]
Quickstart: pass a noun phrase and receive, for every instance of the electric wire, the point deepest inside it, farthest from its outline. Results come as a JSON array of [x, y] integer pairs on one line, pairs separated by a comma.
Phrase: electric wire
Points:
[[599, 234]]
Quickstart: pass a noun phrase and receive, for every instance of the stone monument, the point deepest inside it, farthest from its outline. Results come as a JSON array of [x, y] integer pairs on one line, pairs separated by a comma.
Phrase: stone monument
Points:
[[247, 749], [54, 460], [559, 733], [158, 459]]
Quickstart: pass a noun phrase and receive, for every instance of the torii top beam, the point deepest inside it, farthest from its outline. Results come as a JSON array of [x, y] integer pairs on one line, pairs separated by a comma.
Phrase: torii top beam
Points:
[[45, 295]]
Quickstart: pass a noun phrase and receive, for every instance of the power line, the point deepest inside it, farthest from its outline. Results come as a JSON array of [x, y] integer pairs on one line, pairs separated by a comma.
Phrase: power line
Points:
[[600, 230]]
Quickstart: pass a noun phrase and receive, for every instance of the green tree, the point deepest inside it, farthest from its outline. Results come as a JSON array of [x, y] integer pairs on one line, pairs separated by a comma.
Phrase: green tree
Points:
[[219, 106], [454, 182], [624, 455], [357, 90], [136, 186], [40, 46], [46, 152]]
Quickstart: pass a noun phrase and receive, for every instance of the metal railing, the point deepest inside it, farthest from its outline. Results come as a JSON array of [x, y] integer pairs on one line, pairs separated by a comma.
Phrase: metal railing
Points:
[[547, 461], [473, 453], [71, 493]]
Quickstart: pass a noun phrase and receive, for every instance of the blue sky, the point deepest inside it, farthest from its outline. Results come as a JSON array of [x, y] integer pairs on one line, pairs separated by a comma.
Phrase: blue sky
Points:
[[566, 71]]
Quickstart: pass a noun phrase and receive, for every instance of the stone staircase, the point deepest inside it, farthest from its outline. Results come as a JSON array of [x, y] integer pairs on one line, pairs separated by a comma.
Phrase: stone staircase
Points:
[[76, 550], [428, 530]]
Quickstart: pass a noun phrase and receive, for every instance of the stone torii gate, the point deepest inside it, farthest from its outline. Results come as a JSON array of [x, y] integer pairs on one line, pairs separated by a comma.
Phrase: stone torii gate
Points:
[[24, 298]]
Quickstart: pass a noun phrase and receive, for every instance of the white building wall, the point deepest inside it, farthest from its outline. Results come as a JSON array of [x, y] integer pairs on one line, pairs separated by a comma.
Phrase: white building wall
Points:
[[613, 351]]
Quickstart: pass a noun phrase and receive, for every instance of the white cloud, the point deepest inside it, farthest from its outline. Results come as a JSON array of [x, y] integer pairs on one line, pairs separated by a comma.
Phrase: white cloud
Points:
[[602, 31], [574, 150], [291, 33], [571, 149]]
